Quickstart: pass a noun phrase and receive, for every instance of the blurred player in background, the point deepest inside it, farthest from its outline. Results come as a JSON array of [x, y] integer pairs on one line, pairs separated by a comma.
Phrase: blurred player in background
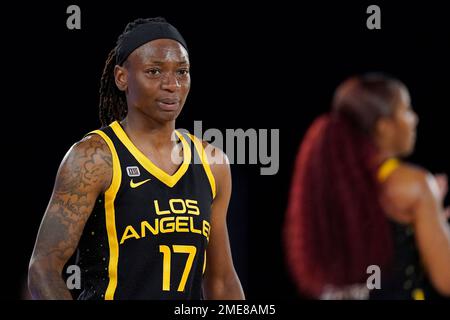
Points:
[[354, 203]]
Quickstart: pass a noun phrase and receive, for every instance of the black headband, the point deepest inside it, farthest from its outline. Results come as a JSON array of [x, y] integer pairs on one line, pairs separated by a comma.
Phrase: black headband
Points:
[[145, 33]]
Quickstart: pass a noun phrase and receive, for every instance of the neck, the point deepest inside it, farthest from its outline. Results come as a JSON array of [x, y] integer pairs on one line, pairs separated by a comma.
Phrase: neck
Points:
[[385, 151], [143, 128], [384, 155]]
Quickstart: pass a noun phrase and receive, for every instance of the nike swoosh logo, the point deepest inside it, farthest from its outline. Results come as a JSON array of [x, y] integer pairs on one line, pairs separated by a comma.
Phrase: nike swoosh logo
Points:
[[137, 184]]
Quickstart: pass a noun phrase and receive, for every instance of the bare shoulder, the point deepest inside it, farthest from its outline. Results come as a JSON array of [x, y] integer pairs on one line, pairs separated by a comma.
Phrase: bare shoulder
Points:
[[88, 163], [217, 159], [410, 177], [92, 143], [406, 185]]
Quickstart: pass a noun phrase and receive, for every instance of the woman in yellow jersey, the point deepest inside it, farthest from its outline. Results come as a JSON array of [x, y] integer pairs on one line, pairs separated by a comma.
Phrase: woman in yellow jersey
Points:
[[141, 218], [360, 222]]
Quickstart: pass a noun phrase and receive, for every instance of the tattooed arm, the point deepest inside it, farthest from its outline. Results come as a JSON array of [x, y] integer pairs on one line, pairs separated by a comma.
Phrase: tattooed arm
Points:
[[85, 172]]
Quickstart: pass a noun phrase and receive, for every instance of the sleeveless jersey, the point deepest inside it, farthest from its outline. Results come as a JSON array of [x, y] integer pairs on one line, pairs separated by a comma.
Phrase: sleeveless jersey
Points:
[[407, 279], [147, 235]]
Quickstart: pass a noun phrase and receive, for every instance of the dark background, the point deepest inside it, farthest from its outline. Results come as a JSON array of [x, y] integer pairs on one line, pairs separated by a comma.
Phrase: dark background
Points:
[[271, 65]]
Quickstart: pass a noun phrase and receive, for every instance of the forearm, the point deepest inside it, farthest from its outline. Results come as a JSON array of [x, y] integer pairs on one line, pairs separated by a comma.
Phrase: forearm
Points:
[[224, 289], [45, 284], [433, 239]]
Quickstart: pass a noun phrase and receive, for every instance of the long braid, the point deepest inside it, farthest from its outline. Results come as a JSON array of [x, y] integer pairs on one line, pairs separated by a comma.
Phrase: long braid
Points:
[[113, 104]]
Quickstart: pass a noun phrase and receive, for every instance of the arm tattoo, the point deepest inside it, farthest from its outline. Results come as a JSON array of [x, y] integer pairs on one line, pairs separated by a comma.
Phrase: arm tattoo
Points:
[[84, 173]]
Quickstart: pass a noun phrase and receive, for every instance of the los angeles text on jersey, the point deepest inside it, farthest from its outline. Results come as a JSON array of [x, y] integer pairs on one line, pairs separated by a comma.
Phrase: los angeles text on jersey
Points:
[[178, 216]]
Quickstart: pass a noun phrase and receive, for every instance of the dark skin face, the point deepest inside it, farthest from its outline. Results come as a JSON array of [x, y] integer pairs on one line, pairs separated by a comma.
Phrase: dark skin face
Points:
[[156, 80], [396, 135], [406, 121]]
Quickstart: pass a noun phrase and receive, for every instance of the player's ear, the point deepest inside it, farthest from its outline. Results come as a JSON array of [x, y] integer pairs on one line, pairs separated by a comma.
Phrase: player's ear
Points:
[[121, 77]]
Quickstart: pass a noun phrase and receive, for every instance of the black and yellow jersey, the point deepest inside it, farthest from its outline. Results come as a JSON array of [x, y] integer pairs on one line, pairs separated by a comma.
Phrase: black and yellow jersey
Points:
[[147, 235], [406, 279]]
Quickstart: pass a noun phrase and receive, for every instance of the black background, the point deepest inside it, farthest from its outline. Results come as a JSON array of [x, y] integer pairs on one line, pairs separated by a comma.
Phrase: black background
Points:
[[271, 66]]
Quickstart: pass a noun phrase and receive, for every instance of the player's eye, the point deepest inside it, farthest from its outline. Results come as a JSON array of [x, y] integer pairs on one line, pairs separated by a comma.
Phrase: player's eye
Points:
[[153, 71], [183, 72]]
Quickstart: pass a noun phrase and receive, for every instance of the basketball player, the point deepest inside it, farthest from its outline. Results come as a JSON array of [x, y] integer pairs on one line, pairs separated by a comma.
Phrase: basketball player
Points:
[[140, 225], [355, 204]]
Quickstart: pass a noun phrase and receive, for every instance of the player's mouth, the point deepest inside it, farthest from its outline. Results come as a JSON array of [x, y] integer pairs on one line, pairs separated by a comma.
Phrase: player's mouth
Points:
[[168, 104]]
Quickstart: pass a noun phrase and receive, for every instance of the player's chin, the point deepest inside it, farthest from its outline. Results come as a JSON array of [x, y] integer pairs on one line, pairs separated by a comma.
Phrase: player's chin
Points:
[[169, 115], [408, 149]]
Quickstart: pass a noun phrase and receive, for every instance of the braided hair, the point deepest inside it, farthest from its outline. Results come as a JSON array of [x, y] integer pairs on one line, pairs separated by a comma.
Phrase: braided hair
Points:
[[335, 225], [112, 104]]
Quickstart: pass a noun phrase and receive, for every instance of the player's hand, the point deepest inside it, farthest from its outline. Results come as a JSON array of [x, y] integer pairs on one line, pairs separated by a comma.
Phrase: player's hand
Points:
[[447, 213], [442, 182]]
